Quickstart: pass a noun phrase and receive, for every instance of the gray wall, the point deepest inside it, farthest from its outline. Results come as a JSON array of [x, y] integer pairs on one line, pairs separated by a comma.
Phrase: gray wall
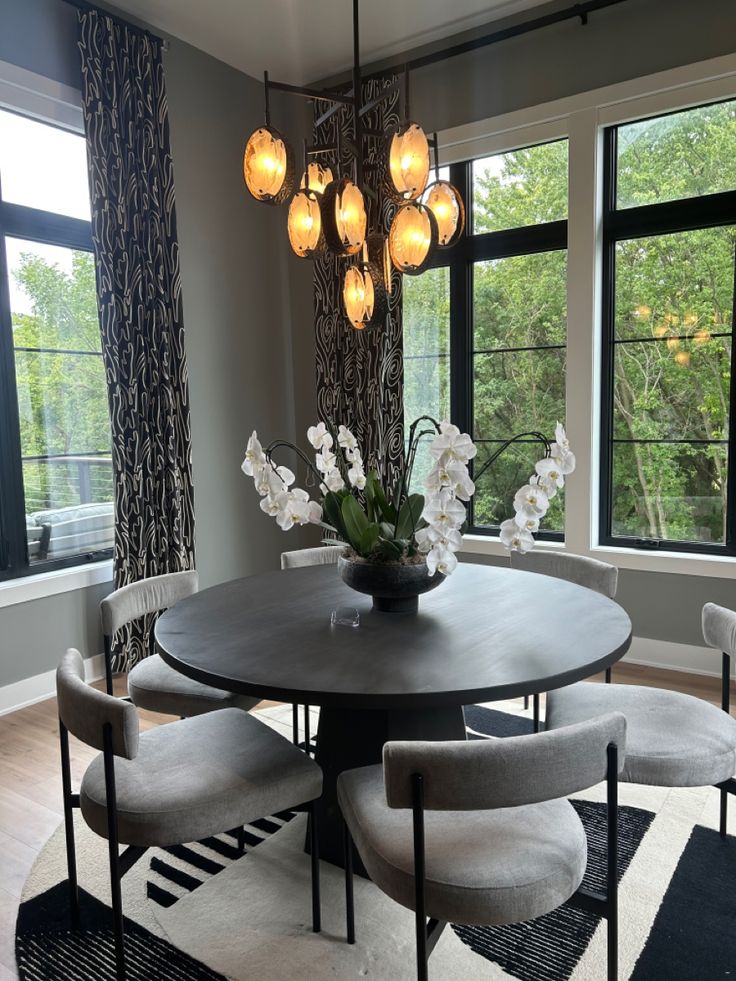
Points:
[[238, 317]]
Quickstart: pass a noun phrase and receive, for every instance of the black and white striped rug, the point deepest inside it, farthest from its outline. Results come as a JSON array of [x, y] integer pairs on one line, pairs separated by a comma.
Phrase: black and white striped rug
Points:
[[202, 911]]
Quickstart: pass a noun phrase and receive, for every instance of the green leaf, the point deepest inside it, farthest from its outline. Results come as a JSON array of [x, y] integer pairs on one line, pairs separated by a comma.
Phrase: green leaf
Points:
[[332, 511], [388, 549], [409, 515], [368, 539], [354, 521], [387, 510]]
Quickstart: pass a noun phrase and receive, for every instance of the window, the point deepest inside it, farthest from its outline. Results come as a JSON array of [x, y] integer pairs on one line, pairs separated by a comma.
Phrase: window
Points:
[[55, 463], [669, 230], [485, 329]]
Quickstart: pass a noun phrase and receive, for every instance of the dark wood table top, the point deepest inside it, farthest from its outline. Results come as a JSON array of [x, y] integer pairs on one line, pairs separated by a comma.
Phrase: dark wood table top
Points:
[[485, 634]]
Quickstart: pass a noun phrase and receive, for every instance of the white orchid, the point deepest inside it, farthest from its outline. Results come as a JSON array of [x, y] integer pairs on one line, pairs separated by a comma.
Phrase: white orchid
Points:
[[451, 445], [356, 475], [452, 474], [526, 521], [442, 560], [444, 511], [272, 505], [272, 482], [255, 458], [319, 437], [549, 473], [532, 499], [430, 536], [333, 481], [325, 460], [297, 509], [346, 439], [514, 538]]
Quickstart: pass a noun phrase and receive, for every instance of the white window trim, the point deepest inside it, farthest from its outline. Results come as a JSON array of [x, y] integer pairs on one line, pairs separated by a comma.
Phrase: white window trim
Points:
[[51, 583], [581, 119]]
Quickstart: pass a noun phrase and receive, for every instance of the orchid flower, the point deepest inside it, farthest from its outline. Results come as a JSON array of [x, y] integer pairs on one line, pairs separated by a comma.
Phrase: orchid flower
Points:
[[451, 445], [549, 472], [319, 437], [444, 511], [255, 458], [514, 538], [441, 559], [298, 510], [346, 439]]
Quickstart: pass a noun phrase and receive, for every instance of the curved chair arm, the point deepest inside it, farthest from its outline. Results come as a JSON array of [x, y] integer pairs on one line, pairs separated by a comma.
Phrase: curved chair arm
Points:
[[490, 773], [302, 557], [85, 712], [719, 628], [146, 596]]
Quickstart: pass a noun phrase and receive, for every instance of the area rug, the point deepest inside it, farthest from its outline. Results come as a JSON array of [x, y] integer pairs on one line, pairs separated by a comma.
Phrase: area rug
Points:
[[202, 912]]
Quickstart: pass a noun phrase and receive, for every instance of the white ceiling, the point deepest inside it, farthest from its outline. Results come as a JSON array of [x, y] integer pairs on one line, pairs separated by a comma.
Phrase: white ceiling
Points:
[[299, 41]]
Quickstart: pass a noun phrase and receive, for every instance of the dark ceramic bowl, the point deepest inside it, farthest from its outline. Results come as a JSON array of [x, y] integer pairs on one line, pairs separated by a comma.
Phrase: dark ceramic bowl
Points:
[[395, 587]]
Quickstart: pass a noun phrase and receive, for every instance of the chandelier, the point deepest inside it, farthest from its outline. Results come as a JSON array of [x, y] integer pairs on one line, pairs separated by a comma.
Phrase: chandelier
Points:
[[328, 212]]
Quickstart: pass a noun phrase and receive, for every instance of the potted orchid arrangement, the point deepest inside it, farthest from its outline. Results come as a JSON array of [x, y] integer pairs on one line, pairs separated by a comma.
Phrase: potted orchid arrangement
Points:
[[397, 544]]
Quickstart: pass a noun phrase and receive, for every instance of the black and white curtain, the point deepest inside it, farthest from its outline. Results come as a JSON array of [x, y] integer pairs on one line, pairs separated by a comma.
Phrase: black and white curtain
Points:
[[139, 296], [360, 373]]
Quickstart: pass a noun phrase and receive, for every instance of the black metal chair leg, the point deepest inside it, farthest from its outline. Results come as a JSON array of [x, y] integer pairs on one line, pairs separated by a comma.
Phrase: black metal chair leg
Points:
[[536, 713], [108, 663], [724, 812], [608, 676], [240, 834], [420, 909], [113, 846], [295, 724], [347, 843], [314, 849], [71, 852], [526, 702], [307, 734], [612, 869]]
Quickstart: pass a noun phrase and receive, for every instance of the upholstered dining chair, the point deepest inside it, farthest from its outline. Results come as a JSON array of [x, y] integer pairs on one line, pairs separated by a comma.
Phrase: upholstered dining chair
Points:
[[299, 559], [674, 740], [479, 832], [152, 684], [173, 784], [578, 569]]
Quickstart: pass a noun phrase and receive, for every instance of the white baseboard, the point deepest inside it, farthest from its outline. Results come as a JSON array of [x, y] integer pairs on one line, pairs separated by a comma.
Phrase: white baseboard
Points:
[[43, 686]]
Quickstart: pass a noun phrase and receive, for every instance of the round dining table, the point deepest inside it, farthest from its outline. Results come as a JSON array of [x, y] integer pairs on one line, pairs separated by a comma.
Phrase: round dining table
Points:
[[485, 634]]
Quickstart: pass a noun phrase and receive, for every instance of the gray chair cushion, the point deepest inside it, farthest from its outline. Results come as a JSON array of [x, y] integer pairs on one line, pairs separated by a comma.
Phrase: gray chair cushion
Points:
[[155, 686], [200, 777], [672, 740], [483, 867], [145, 596], [719, 628]]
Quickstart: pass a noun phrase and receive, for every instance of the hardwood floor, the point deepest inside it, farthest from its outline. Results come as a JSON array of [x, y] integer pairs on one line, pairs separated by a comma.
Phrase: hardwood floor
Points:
[[30, 784]]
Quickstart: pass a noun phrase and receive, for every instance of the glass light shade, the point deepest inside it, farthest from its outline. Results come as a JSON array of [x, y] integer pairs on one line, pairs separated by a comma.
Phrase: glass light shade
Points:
[[408, 160], [268, 166], [320, 175], [446, 204], [358, 296], [344, 217], [304, 224], [411, 238]]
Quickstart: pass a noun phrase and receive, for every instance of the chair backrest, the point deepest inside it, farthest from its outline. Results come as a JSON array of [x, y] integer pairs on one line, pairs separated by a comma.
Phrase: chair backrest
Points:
[[146, 596], [85, 711], [489, 773], [600, 576], [719, 628], [323, 555]]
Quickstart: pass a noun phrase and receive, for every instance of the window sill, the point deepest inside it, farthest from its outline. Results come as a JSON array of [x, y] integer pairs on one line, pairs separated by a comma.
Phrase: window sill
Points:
[[44, 584], [679, 563]]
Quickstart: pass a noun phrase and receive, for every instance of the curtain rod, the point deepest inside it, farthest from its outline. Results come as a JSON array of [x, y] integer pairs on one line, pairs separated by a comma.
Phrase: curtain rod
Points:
[[87, 7], [580, 10]]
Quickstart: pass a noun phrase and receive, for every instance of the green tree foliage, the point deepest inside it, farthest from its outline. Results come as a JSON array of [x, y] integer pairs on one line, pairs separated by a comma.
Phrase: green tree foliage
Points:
[[62, 397], [674, 303]]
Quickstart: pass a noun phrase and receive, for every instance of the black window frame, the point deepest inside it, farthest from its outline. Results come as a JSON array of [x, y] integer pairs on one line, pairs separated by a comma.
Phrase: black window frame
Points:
[[641, 221], [45, 228], [460, 259]]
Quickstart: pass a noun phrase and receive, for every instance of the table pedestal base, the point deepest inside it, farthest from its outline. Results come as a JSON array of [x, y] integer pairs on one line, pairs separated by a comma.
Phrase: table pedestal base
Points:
[[349, 738]]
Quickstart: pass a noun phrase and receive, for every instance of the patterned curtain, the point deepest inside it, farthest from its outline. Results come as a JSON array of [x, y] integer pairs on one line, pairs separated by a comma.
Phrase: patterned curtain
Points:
[[139, 297], [360, 373]]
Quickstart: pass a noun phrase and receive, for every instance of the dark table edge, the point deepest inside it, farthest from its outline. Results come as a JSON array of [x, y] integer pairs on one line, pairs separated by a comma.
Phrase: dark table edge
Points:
[[389, 701]]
